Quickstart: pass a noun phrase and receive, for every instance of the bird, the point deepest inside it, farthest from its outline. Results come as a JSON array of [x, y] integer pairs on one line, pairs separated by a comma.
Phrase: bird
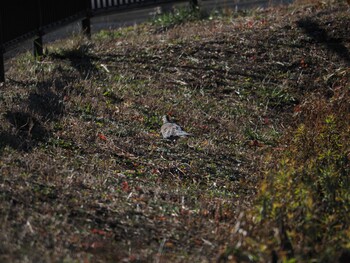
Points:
[[171, 130]]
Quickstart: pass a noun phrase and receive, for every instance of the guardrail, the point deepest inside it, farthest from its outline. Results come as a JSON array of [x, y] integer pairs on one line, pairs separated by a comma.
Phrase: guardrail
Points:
[[24, 19]]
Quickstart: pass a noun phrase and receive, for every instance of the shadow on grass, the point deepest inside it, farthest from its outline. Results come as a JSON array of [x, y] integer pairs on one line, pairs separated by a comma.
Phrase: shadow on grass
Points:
[[47, 102], [28, 123], [26, 131], [80, 59], [320, 35]]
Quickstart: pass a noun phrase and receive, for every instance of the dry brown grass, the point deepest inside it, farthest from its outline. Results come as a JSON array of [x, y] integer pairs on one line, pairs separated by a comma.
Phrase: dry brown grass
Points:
[[85, 175]]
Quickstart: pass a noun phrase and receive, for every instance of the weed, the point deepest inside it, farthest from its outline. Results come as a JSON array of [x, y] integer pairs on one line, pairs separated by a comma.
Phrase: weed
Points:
[[152, 123], [62, 143], [308, 192], [177, 17], [275, 97]]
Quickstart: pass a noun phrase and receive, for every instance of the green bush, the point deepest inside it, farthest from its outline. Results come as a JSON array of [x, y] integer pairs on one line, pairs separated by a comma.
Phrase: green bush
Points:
[[306, 198], [177, 17]]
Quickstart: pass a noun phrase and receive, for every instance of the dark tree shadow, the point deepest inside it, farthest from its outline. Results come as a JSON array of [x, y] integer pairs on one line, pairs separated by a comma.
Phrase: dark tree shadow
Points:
[[48, 105], [320, 35], [80, 59], [26, 131], [28, 124]]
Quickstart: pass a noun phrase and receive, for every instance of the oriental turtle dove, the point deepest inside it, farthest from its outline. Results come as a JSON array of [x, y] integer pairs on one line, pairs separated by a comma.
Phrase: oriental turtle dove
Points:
[[171, 130]]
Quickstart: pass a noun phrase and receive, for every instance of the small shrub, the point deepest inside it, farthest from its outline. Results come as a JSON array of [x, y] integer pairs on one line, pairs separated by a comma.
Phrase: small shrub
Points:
[[177, 17], [306, 198]]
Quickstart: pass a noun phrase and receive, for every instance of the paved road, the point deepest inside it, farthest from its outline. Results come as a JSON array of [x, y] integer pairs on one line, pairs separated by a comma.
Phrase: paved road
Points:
[[138, 16]]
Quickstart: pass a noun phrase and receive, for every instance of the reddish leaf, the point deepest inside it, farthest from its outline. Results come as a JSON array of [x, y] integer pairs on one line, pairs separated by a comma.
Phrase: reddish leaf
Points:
[[102, 137], [155, 171], [297, 109], [98, 232], [263, 22], [205, 212], [256, 143], [97, 244], [125, 186], [184, 212], [266, 121], [161, 218], [139, 189], [169, 244], [250, 24], [303, 64]]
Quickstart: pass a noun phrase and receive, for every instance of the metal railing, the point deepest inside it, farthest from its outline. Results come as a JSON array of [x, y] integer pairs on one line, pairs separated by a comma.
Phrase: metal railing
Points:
[[24, 19]]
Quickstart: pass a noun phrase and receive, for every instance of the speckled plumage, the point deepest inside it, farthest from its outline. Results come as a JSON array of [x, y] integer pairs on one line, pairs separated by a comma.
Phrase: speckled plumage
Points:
[[170, 130]]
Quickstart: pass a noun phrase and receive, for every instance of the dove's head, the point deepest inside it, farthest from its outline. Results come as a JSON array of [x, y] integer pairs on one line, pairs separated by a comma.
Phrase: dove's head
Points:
[[165, 119]]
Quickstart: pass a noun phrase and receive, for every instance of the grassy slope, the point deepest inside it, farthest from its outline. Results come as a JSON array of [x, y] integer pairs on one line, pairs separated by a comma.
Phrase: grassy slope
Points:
[[84, 172]]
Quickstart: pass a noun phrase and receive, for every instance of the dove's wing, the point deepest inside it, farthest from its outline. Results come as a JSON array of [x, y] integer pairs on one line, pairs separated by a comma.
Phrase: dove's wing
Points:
[[166, 130], [178, 131], [170, 130]]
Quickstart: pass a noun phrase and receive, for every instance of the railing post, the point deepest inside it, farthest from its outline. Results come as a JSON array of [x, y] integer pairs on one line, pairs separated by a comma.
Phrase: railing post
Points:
[[86, 23], [194, 4], [2, 68], [38, 50], [38, 46], [86, 27]]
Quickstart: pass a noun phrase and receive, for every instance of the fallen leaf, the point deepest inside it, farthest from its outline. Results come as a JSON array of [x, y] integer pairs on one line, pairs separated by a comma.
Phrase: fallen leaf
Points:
[[98, 232], [169, 244], [161, 218], [256, 143], [303, 64], [297, 109], [125, 186], [97, 244], [102, 137], [266, 121], [250, 24]]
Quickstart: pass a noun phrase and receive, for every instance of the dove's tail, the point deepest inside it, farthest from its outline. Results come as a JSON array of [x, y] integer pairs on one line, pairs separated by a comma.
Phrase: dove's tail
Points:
[[184, 134]]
